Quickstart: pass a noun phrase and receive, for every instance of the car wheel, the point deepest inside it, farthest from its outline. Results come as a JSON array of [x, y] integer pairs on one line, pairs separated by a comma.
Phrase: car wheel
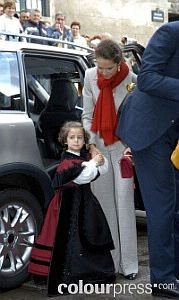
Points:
[[20, 220]]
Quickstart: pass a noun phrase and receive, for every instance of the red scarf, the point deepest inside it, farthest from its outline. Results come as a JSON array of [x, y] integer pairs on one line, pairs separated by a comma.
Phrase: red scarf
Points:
[[105, 116]]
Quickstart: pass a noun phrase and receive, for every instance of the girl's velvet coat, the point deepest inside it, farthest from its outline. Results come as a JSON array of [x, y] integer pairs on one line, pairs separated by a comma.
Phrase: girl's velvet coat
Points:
[[75, 240]]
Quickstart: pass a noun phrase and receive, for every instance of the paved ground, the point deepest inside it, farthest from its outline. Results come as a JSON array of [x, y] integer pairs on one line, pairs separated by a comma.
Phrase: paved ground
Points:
[[125, 291]]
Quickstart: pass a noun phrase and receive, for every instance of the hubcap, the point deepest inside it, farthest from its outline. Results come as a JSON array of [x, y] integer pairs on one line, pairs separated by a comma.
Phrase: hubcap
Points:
[[17, 234]]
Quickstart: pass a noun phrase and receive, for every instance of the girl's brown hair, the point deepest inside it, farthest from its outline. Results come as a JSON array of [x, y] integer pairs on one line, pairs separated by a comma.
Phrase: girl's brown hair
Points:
[[62, 137]]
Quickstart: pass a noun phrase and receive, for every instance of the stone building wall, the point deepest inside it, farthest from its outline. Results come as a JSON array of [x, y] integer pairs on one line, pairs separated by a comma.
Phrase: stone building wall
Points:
[[119, 17]]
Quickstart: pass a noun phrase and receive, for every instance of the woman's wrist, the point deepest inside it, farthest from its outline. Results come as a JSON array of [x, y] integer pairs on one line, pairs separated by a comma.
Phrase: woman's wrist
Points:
[[92, 146]]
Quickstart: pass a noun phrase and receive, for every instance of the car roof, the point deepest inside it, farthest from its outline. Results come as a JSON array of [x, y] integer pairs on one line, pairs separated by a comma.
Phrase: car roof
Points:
[[88, 53], [24, 46]]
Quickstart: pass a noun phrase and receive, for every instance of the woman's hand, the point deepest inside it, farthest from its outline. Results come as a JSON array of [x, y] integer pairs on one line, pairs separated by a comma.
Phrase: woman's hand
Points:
[[127, 152], [99, 159], [93, 150]]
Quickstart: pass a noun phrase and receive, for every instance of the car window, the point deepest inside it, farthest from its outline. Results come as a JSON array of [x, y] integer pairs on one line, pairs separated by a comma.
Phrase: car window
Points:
[[133, 61], [9, 82], [41, 72], [133, 55]]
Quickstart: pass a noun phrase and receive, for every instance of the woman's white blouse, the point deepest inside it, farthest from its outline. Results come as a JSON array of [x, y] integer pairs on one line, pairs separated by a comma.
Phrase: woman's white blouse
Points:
[[10, 25]]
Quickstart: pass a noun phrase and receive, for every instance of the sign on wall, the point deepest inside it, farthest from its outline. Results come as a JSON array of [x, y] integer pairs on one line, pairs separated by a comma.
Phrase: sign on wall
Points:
[[157, 15]]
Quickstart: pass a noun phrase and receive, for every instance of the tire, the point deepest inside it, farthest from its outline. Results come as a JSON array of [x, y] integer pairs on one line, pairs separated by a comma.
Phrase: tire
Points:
[[20, 221]]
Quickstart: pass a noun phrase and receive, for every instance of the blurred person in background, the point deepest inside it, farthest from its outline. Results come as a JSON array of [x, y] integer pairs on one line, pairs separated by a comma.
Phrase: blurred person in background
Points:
[[125, 40], [24, 16], [76, 36], [9, 23], [54, 32], [59, 30], [1, 9], [34, 26], [95, 40]]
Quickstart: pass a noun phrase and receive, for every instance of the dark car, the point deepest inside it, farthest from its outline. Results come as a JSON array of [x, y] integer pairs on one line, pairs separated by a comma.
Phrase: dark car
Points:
[[40, 88]]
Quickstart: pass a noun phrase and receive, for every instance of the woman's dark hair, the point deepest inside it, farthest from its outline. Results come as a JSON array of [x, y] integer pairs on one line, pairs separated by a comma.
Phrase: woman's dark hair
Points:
[[62, 137], [75, 23], [109, 49]]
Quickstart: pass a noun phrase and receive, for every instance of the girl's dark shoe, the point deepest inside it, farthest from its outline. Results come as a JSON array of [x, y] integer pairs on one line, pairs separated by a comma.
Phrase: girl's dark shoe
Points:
[[131, 276]]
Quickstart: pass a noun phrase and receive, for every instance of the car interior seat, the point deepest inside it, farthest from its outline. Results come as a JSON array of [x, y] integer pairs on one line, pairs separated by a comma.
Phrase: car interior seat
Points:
[[60, 108]]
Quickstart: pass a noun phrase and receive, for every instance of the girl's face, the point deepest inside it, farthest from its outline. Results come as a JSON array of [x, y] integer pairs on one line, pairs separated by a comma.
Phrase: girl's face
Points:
[[107, 67], [75, 139]]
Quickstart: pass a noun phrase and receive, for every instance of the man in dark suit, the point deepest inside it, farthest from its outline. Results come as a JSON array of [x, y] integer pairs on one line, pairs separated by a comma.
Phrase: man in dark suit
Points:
[[149, 124]]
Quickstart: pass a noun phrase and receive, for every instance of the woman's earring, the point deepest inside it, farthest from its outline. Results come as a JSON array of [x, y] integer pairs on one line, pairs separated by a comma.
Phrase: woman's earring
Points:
[[119, 68]]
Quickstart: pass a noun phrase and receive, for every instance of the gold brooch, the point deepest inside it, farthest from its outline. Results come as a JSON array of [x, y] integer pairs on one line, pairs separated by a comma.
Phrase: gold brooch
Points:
[[130, 86]]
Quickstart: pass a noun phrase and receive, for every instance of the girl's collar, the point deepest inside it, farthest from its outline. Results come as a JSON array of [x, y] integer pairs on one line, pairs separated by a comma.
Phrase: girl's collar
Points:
[[73, 152]]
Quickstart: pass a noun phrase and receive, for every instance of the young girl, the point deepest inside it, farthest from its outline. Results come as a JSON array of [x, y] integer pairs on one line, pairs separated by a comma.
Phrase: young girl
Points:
[[75, 240]]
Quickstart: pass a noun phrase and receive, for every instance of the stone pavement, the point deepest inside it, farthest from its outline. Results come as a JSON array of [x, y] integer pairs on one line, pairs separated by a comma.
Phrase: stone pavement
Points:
[[125, 289]]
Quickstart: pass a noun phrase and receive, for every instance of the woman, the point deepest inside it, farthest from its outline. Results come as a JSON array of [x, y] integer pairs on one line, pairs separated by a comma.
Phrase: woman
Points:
[[77, 38], [9, 23], [104, 89]]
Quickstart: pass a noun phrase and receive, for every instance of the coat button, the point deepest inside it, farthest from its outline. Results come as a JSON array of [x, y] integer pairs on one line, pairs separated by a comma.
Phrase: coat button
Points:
[[172, 121]]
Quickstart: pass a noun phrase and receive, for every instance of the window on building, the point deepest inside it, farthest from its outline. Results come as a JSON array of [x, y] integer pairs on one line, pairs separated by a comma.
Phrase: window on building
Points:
[[42, 5], [46, 8]]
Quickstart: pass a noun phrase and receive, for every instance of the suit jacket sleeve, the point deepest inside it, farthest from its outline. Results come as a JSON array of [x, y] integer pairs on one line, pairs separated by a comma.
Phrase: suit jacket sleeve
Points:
[[158, 75]]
